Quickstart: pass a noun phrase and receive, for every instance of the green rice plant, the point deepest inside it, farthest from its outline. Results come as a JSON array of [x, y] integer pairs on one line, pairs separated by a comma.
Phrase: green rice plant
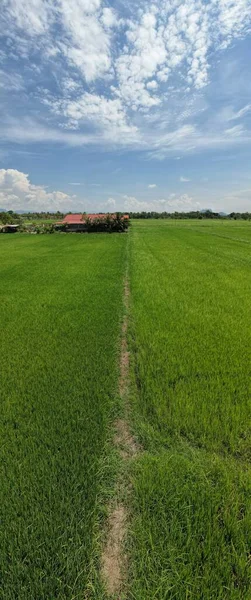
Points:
[[191, 333], [192, 528], [61, 310], [190, 341], [189, 336]]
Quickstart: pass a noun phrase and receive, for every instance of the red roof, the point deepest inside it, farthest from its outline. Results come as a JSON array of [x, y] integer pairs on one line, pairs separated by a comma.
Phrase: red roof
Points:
[[73, 219], [80, 218], [93, 216]]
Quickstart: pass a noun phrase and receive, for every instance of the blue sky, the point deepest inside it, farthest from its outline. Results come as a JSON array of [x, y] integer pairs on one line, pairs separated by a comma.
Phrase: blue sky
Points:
[[126, 105]]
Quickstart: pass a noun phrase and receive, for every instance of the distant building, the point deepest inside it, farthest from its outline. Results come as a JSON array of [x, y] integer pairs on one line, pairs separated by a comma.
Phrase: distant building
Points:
[[73, 222], [77, 222], [9, 228]]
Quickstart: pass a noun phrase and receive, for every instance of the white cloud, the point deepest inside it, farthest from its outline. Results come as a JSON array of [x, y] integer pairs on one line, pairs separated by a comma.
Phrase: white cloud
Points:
[[85, 31], [132, 204], [12, 82], [145, 54], [87, 43], [18, 193], [28, 130], [172, 203], [32, 16], [107, 114], [74, 183], [159, 37], [109, 17], [184, 179], [233, 18], [3, 55], [177, 139], [181, 203], [186, 139], [122, 88], [152, 85], [235, 131], [111, 204], [152, 185], [241, 113], [228, 114], [70, 86], [189, 138], [236, 201]]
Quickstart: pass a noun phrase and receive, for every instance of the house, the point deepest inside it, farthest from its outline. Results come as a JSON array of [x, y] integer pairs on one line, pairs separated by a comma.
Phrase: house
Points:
[[73, 222], [9, 228], [77, 222]]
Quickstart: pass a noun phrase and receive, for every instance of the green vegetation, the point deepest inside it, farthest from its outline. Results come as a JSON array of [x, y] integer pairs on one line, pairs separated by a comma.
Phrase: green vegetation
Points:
[[190, 352], [61, 305], [26, 218], [193, 214], [43, 223], [190, 338], [192, 523], [107, 224], [9, 217]]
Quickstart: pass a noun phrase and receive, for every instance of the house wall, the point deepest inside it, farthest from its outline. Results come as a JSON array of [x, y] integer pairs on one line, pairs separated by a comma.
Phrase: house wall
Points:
[[75, 227]]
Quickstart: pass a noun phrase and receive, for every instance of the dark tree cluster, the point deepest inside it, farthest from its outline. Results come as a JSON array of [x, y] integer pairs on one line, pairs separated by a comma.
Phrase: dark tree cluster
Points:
[[207, 214], [33, 216], [109, 224], [9, 217]]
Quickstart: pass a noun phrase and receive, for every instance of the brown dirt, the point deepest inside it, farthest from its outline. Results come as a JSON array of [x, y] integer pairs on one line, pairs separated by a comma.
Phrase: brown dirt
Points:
[[113, 559], [124, 369], [124, 440]]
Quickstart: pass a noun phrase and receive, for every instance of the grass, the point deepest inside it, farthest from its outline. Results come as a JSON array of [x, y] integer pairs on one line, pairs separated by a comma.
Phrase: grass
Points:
[[190, 341], [61, 299], [191, 530], [190, 338]]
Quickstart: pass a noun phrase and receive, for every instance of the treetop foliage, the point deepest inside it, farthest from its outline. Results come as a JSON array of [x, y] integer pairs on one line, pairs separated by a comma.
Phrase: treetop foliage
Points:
[[196, 214]]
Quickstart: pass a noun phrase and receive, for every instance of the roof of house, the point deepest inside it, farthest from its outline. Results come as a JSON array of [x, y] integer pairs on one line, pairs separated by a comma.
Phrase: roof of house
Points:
[[73, 219], [76, 219], [92, 216], [10, 225]]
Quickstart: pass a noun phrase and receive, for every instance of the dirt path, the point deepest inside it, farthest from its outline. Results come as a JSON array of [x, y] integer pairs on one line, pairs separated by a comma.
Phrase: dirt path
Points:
[[114, 560]]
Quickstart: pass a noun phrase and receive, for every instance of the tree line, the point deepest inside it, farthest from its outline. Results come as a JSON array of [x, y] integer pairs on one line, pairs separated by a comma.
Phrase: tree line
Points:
[[207, 214], [11, 217], [37, 222]]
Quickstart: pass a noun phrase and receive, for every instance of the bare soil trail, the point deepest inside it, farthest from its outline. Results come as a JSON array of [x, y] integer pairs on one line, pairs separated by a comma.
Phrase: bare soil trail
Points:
[[114, 560]]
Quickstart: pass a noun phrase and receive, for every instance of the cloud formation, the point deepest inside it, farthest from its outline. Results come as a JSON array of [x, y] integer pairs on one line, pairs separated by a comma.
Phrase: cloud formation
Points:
[[108, 113], [18, 193], [173, 202], [105, 76]]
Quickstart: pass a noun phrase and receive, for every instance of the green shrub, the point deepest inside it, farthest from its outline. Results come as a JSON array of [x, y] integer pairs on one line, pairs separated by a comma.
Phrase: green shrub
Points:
[[109, 224]]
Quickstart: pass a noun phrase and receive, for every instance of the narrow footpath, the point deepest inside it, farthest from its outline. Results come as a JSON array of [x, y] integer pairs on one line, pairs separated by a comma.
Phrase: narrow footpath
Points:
[[114, 560]]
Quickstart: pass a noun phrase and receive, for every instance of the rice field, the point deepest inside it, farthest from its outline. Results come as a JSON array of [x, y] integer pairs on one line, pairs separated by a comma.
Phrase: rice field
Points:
[[190, 338], [61, 305], [189, 531]]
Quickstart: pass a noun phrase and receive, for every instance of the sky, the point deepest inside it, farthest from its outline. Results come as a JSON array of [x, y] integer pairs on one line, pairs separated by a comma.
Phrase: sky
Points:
[[125, 105]]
